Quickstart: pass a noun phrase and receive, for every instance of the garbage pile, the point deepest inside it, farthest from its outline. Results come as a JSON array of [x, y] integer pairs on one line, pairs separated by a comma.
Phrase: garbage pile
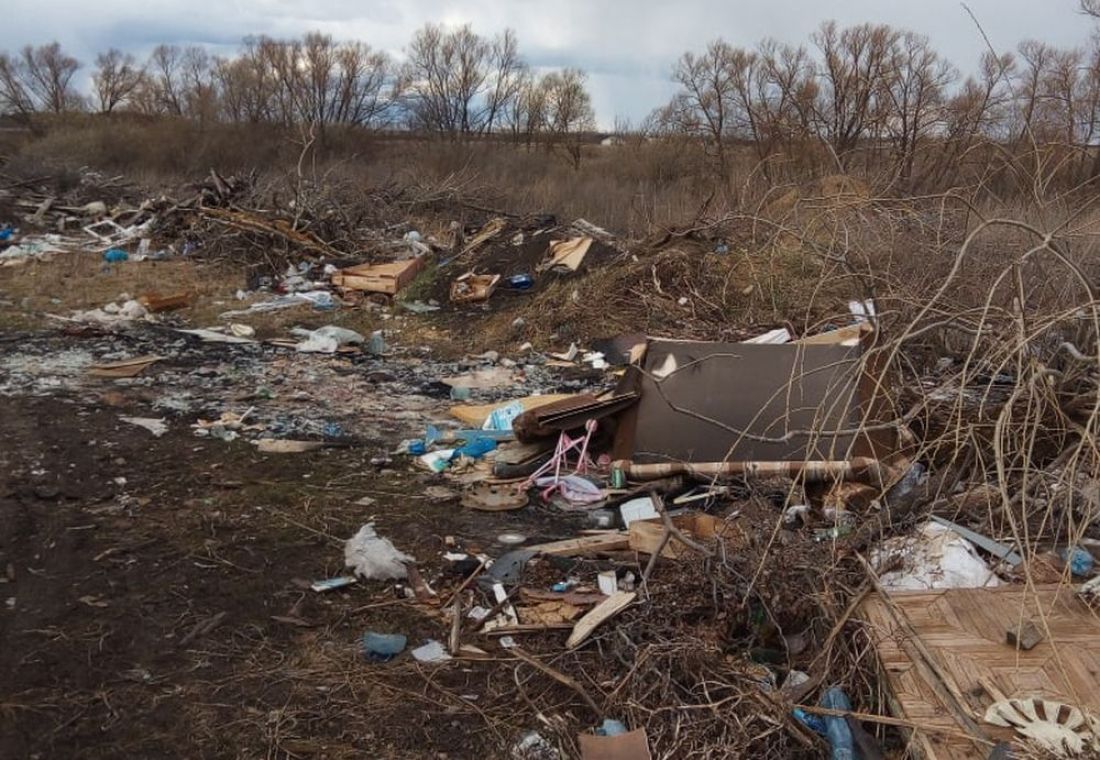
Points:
[[742, 510], [739, 537]]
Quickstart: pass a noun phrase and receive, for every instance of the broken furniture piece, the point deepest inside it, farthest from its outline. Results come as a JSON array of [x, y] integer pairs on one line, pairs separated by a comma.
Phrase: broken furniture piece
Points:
[[796, 409]]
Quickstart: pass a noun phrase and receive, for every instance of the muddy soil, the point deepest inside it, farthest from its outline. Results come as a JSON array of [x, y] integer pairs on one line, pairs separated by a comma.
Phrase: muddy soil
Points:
[[154, 590]]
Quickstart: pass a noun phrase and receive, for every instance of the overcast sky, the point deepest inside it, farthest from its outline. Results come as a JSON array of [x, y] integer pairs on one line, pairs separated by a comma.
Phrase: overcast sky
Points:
[[626, 46]]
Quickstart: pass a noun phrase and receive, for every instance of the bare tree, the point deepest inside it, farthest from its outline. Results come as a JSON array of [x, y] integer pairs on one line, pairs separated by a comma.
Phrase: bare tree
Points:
[[507, 75], [1035, 58], [707, 98], [165, 83], [459, 83], [15, 96], [854, 63], [915, 88], [569, 112], [115, 78], [47, 75]]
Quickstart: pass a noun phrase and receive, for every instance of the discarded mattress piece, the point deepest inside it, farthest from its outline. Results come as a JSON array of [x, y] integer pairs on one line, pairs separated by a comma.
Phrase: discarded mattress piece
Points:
[[740, 402]]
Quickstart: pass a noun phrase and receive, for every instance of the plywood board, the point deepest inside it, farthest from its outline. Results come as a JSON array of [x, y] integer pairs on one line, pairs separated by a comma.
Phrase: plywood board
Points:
[[963, 631]]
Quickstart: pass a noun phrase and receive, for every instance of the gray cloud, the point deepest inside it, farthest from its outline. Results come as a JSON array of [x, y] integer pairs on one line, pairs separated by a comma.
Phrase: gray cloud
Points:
[[628, 47]]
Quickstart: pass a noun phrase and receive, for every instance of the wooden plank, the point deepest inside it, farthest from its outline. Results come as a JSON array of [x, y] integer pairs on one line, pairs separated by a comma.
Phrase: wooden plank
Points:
[[599, 614], [604, 542]]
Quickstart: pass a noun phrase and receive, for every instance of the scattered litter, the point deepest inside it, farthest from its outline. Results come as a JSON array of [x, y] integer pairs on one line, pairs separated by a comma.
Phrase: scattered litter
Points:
[[1080, 561], [157, 303], [219, 336], [936, 557], [471, 287], [318, 299], [157, 427], [998, 550], [382, 647], [374, 557], [1052, 726], [638, 509], [433, 651], [601, 613], [491, 498], [326, 340], [1026, 635], [612, 742], [330, 584], [532, 746], [569, 254], [124, 368]]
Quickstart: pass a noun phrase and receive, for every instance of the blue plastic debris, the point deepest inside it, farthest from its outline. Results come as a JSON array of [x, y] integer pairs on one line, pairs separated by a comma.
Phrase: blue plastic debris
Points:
[[813, 722], [521, 282], [115, 255], [611, 727], [380, 647], [836, 729], [475, 448], [6, 232], [1079, 560]]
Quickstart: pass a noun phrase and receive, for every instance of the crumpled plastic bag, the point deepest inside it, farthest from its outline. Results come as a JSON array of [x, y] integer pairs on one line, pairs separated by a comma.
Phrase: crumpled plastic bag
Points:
[[326, 340], [373, 557]]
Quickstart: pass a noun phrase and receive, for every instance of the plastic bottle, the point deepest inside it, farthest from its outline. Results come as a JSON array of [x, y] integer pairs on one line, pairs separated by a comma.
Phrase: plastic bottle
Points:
[[836, 728]]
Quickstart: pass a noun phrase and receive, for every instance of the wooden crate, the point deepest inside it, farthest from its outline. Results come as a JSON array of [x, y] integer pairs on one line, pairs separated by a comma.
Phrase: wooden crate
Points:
[[379, 278]]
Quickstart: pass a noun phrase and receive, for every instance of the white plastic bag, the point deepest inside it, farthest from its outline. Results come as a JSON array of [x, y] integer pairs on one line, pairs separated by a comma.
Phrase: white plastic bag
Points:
[[374, 557]]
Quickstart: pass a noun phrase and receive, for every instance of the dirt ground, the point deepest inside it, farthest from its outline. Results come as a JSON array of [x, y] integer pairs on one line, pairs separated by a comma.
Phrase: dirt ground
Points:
[[155, 590]]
